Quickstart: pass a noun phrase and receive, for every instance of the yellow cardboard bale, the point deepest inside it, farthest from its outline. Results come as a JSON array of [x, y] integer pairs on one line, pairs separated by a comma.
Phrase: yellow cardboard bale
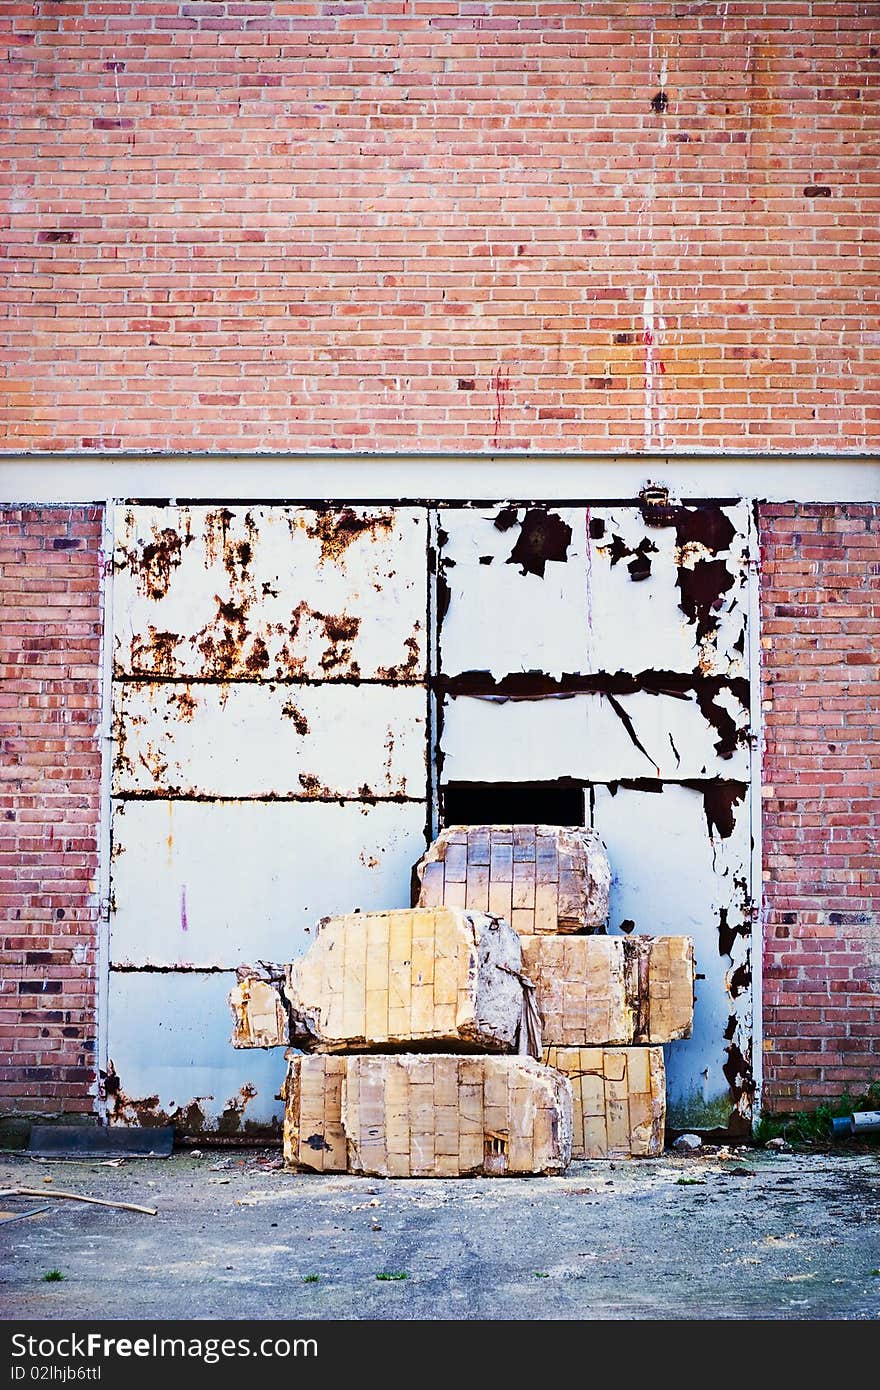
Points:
[[594, 990], [314, 1139], [259, 1016], [541, 878], [380, 981], [440, 1115], [619, 1099]]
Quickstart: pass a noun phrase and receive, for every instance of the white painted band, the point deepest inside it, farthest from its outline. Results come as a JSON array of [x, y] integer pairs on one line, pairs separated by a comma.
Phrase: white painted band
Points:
[[64, 478]]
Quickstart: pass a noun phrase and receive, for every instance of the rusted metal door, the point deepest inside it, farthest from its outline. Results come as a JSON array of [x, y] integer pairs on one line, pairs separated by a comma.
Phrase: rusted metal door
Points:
[[604, 650], [270, 740], [277, 757]]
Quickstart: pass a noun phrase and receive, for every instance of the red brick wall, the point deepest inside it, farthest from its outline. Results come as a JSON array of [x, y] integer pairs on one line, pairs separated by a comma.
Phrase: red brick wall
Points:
[[418, 223], [50, 776], [821, 639]]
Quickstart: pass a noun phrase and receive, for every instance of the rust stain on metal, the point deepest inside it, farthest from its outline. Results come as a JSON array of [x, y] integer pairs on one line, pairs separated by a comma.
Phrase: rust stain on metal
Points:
[[155, 653], [640, 564], [155, 563], [506, 518], [230, 1121], [702, 589], [237, 556], [730, 735], [740, 979], [406, 668], [222, 642], [737, 1071], [153, 761], [122, 764], [186, 703], [313, 787], [719, 799], [189, 1118], [146, 1111], [257, 659], [341, 629], [729, 934], [337, 529], [300, 723]]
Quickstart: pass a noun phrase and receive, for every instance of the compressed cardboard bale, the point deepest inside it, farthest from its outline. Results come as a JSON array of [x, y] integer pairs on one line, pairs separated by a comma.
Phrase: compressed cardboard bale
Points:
[[432, 1115], [259, 1016], [619, 1099], [314, 1139], [594, 990], [429, 977], [541, 878]]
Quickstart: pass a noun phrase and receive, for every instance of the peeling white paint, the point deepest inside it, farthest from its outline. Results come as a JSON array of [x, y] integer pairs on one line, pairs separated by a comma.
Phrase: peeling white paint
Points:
[[586, 615], [669, 878], [584, 737]]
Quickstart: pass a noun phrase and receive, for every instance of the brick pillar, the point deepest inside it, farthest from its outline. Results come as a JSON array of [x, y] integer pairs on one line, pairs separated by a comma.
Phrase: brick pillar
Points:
[[820, 605], [50, 790]]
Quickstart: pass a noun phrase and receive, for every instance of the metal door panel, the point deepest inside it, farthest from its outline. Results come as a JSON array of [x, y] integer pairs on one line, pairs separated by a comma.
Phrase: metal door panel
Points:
[[173, 1062], [590, 737], [567, 591], [215, 884], [608, 647], [256, 739], [680, 865], [499, 619], [254, 593], [270, 767]]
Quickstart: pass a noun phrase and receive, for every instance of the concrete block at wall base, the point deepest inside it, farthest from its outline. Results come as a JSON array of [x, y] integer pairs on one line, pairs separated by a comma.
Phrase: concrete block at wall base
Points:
[[541, 878], [595, 990], [618, 1097], [423, 977], [426, 1115]]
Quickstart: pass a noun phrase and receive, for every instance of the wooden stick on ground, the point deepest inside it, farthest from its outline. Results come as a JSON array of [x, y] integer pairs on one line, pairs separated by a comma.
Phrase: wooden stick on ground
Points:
[[76, 1197]]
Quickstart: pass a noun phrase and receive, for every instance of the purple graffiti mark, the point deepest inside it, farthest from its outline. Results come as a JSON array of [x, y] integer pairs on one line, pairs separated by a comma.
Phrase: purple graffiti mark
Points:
[[184, 924]]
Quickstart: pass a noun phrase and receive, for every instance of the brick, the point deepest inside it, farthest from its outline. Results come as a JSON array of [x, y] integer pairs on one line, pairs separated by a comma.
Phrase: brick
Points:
[[51, 801], [377, 198]]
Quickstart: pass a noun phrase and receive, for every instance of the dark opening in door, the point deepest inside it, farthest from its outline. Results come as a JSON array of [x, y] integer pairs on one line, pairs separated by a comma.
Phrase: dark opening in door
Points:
[[512, 803]]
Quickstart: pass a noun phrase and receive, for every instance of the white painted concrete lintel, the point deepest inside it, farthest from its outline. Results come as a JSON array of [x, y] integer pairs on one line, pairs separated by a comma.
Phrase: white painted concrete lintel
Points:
[[65, 478]]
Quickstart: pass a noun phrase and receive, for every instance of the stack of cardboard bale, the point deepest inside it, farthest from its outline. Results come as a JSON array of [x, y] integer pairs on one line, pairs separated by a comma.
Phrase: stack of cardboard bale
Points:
[[404, 1024], [605, 1003]]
